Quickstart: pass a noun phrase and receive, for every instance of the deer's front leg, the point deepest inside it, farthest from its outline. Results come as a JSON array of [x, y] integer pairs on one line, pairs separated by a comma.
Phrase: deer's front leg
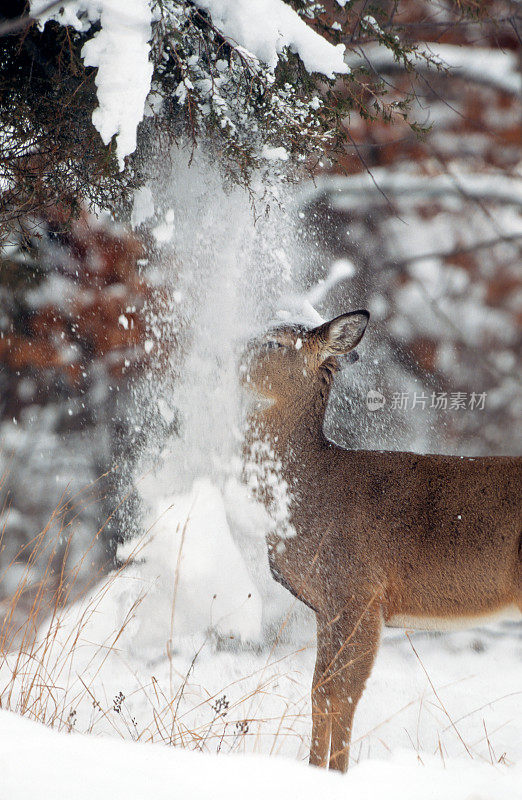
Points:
[[321, 718], [353, 641]]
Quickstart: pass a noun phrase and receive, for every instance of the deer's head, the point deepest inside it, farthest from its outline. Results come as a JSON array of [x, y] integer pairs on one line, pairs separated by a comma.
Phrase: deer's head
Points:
[[293, 362]]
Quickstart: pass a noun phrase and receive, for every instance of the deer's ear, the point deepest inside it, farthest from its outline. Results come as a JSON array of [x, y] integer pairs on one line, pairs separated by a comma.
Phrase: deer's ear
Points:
[[342, 333]]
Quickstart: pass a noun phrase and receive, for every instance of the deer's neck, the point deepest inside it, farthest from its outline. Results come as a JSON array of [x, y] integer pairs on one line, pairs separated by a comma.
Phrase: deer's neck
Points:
[[293, 432], [293, 429], [284, 457]]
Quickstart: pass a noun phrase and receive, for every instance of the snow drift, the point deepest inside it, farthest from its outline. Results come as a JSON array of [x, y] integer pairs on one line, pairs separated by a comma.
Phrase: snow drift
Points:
[[58, 766]]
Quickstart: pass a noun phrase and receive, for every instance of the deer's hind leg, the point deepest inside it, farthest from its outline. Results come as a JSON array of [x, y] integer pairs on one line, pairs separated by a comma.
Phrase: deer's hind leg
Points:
[[355, 636]]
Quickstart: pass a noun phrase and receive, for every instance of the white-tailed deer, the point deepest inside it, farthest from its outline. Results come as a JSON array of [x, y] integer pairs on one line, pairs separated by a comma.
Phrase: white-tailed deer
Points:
[[400, 539]]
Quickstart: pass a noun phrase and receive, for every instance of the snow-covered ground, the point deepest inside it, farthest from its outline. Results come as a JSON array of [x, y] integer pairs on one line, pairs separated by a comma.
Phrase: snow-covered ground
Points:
[[144, 658], [60, 766], [440, 716]]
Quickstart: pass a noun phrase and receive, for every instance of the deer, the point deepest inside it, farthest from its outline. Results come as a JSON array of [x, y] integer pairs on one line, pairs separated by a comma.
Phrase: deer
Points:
[[369, 538]]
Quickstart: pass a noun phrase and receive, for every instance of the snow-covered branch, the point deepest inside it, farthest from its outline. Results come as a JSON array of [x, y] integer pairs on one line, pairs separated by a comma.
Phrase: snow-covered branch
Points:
[[266, 27], [481, 65], [398, 264], [121, 50], [347, 192]]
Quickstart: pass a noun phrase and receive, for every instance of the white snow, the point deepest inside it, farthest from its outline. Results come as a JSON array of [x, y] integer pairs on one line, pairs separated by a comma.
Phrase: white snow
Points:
[[266, 27], [193, 574], [434, 722], [274, 153], [59, 766], [120, 50], [143, 206]]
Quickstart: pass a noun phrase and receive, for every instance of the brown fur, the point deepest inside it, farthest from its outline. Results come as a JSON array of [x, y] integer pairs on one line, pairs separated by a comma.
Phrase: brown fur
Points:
[[379, 534]]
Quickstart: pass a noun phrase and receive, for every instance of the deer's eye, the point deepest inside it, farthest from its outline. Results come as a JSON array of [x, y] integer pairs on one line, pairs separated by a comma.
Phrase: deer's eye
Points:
[[272, 344]]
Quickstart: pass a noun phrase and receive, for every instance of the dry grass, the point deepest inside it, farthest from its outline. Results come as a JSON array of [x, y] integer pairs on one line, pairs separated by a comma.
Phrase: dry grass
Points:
[[53, 672], [34, 659]]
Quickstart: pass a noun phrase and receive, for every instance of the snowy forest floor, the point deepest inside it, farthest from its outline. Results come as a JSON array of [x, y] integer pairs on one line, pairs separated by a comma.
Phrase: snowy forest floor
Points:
[[451, 703]]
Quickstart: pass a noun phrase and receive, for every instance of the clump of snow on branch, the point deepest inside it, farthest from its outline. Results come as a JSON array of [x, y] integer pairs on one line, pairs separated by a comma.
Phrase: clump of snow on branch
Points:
[[120, 50], [267, 27], [79, 15]]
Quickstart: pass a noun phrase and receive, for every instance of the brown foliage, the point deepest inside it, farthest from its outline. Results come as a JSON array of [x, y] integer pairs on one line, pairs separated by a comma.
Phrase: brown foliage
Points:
[[96, 318]]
